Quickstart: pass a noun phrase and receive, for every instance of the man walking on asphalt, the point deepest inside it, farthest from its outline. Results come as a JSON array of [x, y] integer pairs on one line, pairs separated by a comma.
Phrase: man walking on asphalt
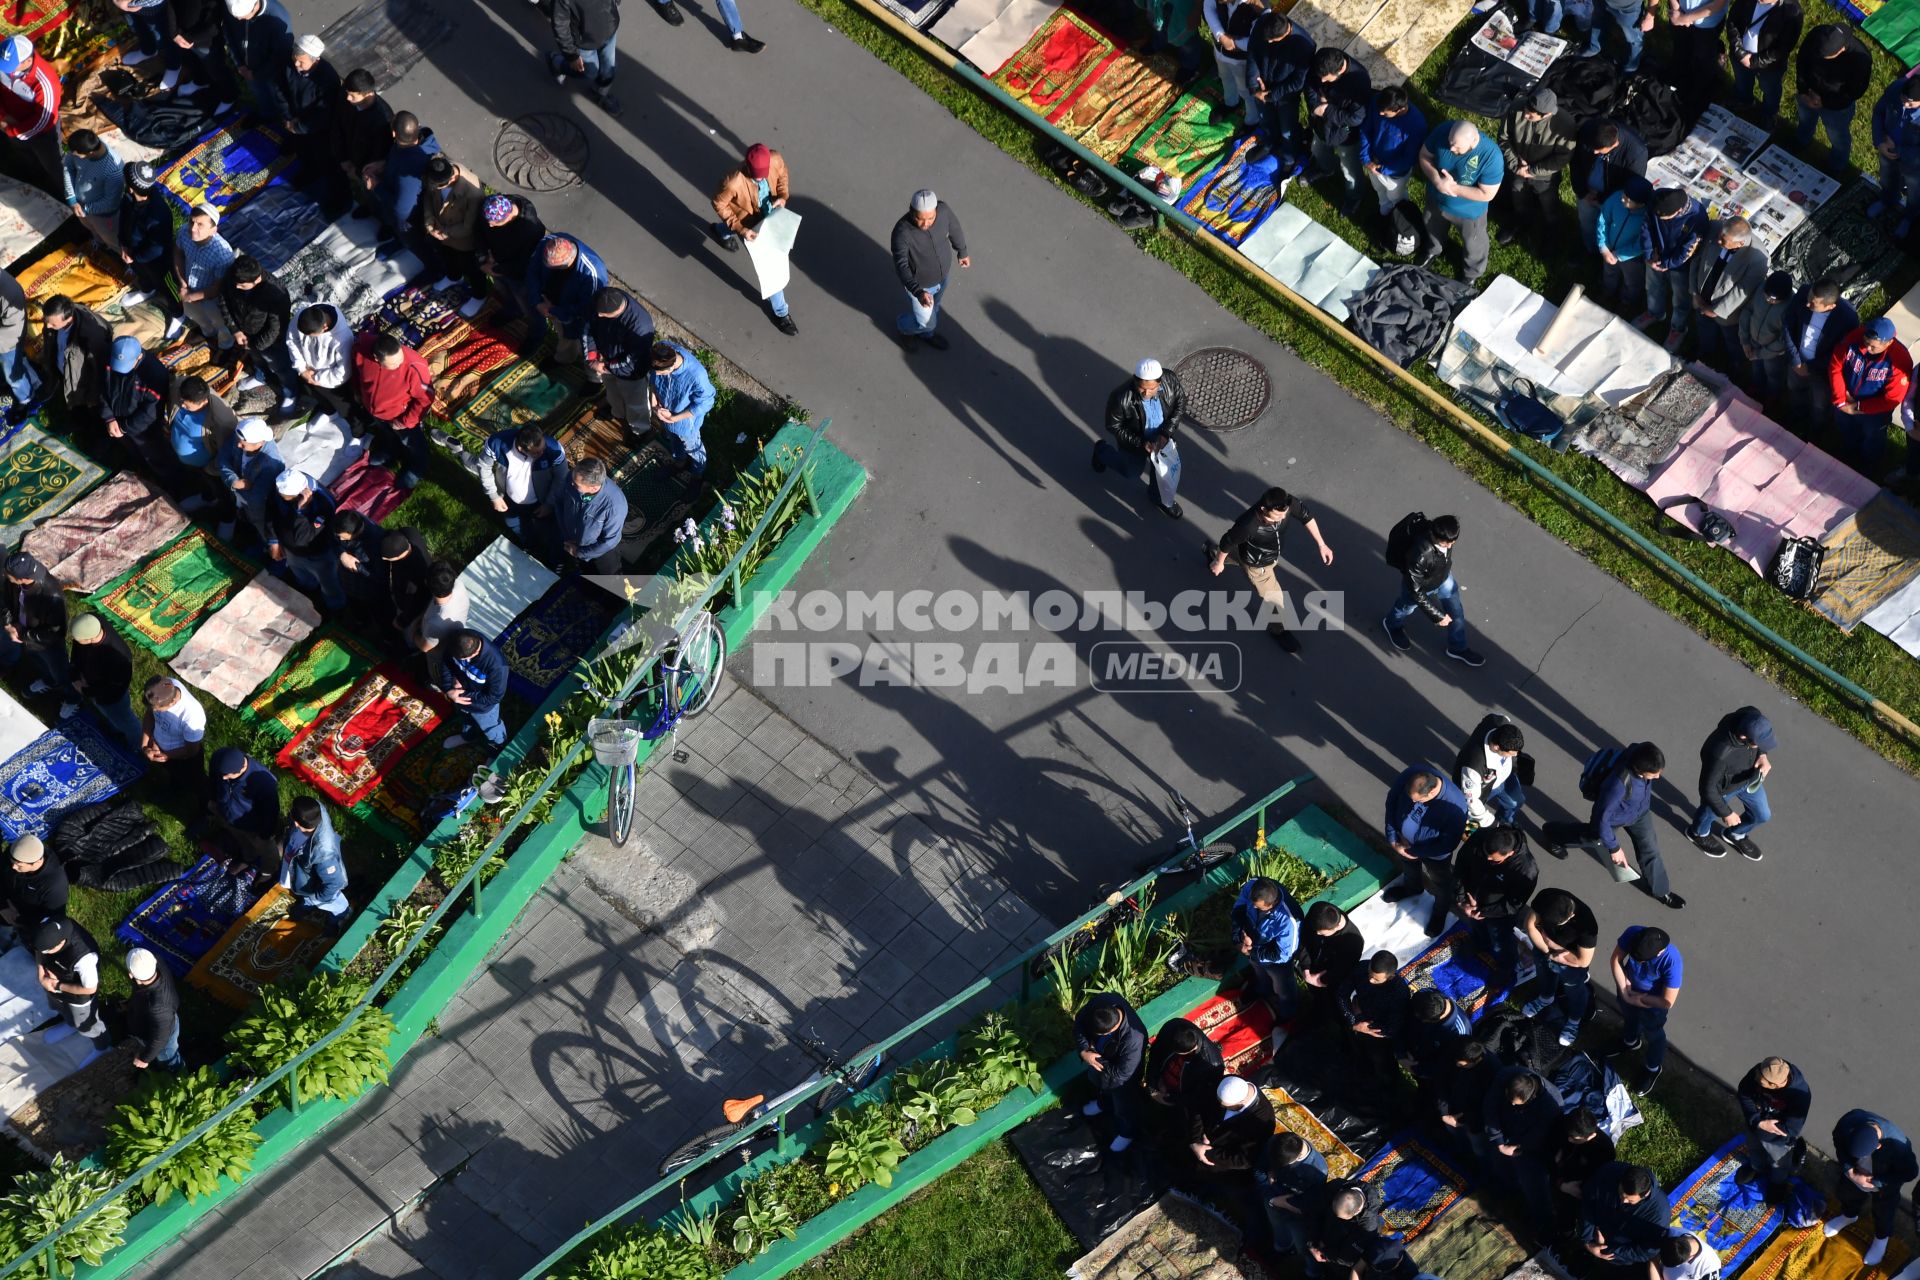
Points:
[[1254, 544], [584, 31], [1426, 816], [1774, 1100], [1624, 799], [1647, 972], [1142, 413], [1875, 1161], [1422, 550], [921, 240], [745, 196], [1488, 772], [1734, 764]]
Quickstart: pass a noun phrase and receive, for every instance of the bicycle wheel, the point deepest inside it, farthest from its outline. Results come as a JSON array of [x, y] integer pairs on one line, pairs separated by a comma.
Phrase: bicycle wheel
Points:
[[851, 1081], [1073, 944], [620, 796], [1205, 858], [699, 665], [685, 1154]]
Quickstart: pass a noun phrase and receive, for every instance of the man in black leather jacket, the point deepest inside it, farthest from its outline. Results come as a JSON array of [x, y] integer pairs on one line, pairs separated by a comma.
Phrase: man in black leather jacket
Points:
[[1142, 413], [1427, 586]]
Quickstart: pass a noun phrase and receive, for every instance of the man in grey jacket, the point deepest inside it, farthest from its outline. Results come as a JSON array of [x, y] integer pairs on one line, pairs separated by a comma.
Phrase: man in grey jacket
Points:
[[22, 383], [922, 241], [1728, 271], [1763, 337]]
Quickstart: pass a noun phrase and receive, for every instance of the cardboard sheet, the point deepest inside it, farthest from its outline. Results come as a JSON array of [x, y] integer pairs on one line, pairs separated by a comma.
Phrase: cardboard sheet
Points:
[[1310, 260], [988, 44], [502, 583], [19, 727], [771, 250]]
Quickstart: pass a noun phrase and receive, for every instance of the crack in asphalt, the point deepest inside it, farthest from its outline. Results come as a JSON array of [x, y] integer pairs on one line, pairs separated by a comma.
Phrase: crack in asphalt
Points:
[[1581, 617]]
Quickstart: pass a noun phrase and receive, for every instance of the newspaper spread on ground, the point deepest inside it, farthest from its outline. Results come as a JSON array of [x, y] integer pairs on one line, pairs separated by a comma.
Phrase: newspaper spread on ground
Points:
[[1532, 53], [1727, 164]]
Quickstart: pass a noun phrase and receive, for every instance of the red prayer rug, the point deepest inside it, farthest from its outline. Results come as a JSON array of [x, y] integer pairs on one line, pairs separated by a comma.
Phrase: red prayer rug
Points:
[[356, 740]]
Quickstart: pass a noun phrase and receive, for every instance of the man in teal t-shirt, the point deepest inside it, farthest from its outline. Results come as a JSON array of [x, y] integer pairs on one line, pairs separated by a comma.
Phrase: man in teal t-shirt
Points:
[[1463, 170]]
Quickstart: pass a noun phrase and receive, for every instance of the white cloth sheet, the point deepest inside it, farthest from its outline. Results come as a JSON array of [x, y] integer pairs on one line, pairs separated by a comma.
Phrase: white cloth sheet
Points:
[[23, 1004], [1310, 260], [29, 1066], [501, 582], [28, 215], [988, 32], [18, 727], [323, 448], [771, 250], [1898, 617], [1599, 354]]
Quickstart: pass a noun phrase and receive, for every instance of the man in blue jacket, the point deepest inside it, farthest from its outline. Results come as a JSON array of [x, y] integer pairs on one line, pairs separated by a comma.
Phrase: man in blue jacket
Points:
[[1896, 136], [310, 865], [1266, 930], [1816, 323], [619, 349], [1390, 143], [1774, 1101], [563, 279], [1620, 238], [1875, 1161], [683, 396], [1112, 1041], [474, 678], [1673, 234], [1339, 94], [243, 799], [1277, 66], [258, 36], [249, 465], [524, 474], [1625, 800], [402, 176], [1624, 1215], [592, 517], [1426, 816]]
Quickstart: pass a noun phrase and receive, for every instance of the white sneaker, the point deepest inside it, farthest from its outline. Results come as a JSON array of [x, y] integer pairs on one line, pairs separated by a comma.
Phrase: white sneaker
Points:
[[1091, 1109], [39, 686], [1838, 1224], [135, 58], [175, 327], [454, 743], [1875, 1251], [132, 298], [185, 88], [441, 285], [221, 108], [68, 710], [250, 383], [1119, 1144], [471, 308]]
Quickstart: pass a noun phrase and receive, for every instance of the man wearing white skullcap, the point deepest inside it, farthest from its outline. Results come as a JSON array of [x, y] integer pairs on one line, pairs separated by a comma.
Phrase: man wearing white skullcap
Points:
[[922, 239], [311, 88], [298, 522], [34, 888], [1142, 413], [153, 1012], [258, 37], [1229, 1139]]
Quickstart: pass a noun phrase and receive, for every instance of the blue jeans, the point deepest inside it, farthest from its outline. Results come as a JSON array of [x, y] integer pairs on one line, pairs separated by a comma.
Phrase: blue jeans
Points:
[[1626, 18], [22, 381], [168, 1054], [1646, 847], [730, 14], [1507, 799], [319, 573], [1496, 938], [1567, 989], [1447, 596], [1899, 181], [49, 665], [600, 63], [778, 302], [687, 443], [1754, 810], [1670, 297], [1863, 437], [1650, 1026], [1771, 83], [919, 320], [1549, 15], [486, 723], [1839, 126], [118, 716]]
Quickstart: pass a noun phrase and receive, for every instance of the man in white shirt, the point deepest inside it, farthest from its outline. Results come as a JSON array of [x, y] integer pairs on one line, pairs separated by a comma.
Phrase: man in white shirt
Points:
[[321, 346], [1687, 1257], [173, 732]]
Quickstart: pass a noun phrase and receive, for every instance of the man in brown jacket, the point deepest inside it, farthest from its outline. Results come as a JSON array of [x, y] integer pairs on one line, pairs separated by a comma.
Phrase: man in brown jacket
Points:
[[745, 196], [450, 199]]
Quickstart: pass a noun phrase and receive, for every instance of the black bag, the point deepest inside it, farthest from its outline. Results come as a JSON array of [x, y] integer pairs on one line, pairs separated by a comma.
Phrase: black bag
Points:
[[1650, 109], [1401, 536], [1405, 229], [1600, 766], [1586, 87], [1521, 413], [1795, 568]]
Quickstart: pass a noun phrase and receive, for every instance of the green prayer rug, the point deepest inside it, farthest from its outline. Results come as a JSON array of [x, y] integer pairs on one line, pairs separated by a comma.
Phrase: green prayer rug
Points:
[[1189, 138], [39, 477], [1897, 27], [520, 394], [307, 684], [161, 603]]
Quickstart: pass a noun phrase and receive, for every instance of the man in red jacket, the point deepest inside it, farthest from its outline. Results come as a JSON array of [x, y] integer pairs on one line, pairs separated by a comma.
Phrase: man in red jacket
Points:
[[30, 109], [1870, 372], [396, 387]]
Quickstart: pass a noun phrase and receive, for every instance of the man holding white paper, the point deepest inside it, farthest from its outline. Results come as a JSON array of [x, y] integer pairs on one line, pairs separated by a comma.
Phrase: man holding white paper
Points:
[[752, 204]]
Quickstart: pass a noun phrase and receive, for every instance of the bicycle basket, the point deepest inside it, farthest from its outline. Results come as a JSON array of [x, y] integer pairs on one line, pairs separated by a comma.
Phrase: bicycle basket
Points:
[[614, 742]]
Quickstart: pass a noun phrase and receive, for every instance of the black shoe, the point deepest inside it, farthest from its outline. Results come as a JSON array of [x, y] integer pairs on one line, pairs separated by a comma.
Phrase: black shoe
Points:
[[1399, 890], [1626, 1045], [1437, 922], [605, 100], [907, 341], [670, 12], [1398, 635], [1648, 1081], [1173, 512], [1558, 850], [1097, 464], [728, 241], [1708, 844], [744, 43], [1506, 235], [938, 341], [786, 325], [1674, 901], [1469, 656], [1748, 849]]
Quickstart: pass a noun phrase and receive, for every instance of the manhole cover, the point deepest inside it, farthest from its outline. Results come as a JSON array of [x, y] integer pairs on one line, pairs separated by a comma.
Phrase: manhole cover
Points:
[[1226, 389], [541, 152]]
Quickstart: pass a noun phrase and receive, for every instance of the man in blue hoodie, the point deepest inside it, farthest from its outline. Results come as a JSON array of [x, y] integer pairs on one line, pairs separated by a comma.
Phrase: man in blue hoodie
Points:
[[1625, 799], [310, 866], [1266, 930], [1817, 322], [683, 396], [474, 678], [1673, 234], [1426, 816], [1896, 135], [249, 464], [563, 279], [591, 515], [1390, 143], [1620, 238]]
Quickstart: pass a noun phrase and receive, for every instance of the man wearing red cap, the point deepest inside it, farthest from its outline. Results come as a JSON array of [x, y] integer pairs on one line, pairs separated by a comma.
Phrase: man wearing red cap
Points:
[[747, 195], [30, 108]]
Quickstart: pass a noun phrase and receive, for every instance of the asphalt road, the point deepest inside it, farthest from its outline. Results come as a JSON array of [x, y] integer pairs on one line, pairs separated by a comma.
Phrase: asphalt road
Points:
[[980, 482]]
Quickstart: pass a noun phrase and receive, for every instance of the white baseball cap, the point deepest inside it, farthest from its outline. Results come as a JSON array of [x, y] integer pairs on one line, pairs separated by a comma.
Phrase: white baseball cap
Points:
[[141, 964], [1148, 370]]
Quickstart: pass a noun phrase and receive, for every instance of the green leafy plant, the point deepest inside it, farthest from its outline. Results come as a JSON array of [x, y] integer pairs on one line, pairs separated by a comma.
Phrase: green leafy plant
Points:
[[43, 1200], [644, 1253], [1133, 959], [168, 1109], [701, 1230], [862, 1146], [289, 1020], [762, 1218], [1301, 878], [937, 1095], [403, 920], [997, 1058], [1063, 966]]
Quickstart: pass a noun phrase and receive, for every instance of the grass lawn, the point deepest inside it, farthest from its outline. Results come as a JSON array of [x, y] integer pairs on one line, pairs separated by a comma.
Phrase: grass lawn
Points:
[[1865, 657]]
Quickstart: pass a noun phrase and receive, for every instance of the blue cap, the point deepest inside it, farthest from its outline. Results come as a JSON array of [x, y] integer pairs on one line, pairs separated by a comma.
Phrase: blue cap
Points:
[[1881, 329], [1754, 726], [15, 52], [126, 354]]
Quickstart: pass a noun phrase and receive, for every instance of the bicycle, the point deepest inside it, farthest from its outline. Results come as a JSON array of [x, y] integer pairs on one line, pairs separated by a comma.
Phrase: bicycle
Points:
[[741, 1113], [681, 686]]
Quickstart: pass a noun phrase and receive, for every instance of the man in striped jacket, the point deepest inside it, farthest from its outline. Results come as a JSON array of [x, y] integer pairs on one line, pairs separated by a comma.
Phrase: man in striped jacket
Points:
[[30, 109]]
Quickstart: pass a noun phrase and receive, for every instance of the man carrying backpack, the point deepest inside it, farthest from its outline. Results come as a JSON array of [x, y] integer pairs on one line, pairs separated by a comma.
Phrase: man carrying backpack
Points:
[[1422, 550], [1619, 781]]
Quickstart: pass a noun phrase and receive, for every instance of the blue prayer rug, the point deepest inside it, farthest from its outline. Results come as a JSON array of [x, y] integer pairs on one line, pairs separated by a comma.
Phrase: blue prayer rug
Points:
[[1732, 1216], [545, 643], [1416, 1186], [228, 167], [277, 223], [183, 920], [66, 768], [1455, 967]]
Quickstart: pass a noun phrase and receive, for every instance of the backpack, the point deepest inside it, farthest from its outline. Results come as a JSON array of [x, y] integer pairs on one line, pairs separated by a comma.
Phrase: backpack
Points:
[[1401, 536], [1405, 231], [1521, 413], [1795, 568], [1585, 87], [1651, 109], [1600, 766]]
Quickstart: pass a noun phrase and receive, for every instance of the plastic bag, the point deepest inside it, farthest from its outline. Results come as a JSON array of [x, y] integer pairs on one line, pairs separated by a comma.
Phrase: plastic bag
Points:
[[1166, 471]]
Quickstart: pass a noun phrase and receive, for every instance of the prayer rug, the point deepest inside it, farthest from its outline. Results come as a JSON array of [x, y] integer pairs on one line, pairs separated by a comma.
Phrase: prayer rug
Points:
[[1897, 27], [1541, 1266], [387, 37], [342, 265], [1805, 1253], [276, 224], [237, 649], [18, 727], [1189, 137], [1235, 197], [40, 476], [372, 491], [1290, 1117], [332, 663], [322, 446], [519, 394], [81, 270], [1644, 432], [1467, 1240], [1839, 241], [1053, 67], [262, 947], [23, 1002], [33, 1064], [502, 583], [1175, 1239], [593, 433], [183, 919], [226, 167], [1241, 1025], [916, 13], [106, 533], [1712, 1204], [1458, 970], [1119, 104], [544, 644], [161, 602], [416, 314], [28, 215], [354, 742], [1401, 35], [1898, 618], [1871, 556], [1416, 1186], [66, 768], [423, 773], [32, 18]]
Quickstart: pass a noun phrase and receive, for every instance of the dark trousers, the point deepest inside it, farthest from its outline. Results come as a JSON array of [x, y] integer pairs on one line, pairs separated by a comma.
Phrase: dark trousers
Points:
[[1531, 205], [1773, 1158], [1566, 989], [42, 155], [1276, 984], [1886, 1202], [152, 279], [1811, 400], [1649, 1026], [1126, 1105], [1625, 284], [1646, 847], [1526, 1174], [1496, 938], [409, 444], [1696, 55]]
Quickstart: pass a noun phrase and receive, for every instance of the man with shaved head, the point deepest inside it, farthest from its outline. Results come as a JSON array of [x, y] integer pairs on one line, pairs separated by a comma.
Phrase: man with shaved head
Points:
[[1463, 170]]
